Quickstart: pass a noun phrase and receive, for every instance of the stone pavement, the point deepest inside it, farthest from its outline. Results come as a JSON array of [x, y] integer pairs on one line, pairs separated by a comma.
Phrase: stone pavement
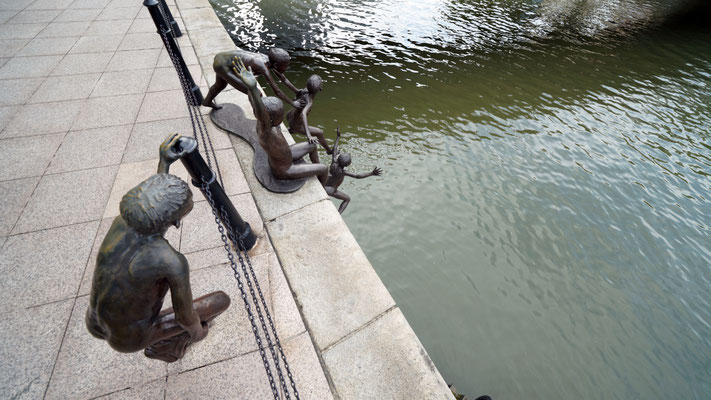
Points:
[[87, 93]]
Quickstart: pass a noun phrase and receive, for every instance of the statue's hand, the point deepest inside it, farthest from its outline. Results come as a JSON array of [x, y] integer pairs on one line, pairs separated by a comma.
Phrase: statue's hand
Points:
[[300, 103], [377, 171], [244, 73], [313, 140], [169, 149], [338, 131], [301, 92]]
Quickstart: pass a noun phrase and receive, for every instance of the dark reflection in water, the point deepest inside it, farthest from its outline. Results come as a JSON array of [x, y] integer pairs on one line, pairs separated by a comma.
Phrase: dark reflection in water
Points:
[[543, 222]]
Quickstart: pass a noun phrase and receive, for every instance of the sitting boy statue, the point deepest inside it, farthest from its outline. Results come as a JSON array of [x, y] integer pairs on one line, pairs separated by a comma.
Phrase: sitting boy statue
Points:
[[136, 266], [337, 172]]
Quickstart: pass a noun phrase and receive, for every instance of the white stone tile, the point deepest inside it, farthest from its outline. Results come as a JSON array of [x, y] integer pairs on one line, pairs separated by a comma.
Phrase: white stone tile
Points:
[[74, 64], [10, 47], [96, 44], [20, 31], [43, 118], [48, 46], [50, 4], [64, 29], [73, 15], [92, 148], [34, 16], [117, 27], [14, 196], [29, 67], [27, 156], [68, 87], [133, 59], [108, 111], [17, 91], [122, 82]]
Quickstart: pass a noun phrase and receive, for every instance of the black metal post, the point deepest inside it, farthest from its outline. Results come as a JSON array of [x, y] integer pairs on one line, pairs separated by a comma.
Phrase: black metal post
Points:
[[173, 23], [198, 171], [164, 30]]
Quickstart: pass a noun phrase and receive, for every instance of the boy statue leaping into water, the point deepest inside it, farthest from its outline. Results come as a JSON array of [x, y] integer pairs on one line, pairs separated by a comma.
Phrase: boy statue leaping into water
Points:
[[136, 266], [270, 113], [277, 61], [297, 118], [337, 172]]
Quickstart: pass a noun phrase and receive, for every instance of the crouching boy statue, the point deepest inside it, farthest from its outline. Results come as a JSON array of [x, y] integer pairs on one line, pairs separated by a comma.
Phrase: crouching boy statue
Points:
[[136, 266]]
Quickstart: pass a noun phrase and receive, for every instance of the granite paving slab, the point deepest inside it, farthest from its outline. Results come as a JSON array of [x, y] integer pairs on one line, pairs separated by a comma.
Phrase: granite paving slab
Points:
[[108, 111], [67, 198], [69, 87], [13, 197], [43, 118], [9, 48], [29, 343], [133, 59], [74, 15], [96, 44], [6, 115], [17, 91], [73, 64], [64, 29], [29, 156], [48, 46], [90, 149], [122, 82], [44, 266], [151, 391], [29, 67], [34, 16]]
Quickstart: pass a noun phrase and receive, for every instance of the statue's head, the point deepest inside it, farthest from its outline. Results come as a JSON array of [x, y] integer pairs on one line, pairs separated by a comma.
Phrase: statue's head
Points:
[[314, 84], [279, 59], [156, 203], [275, 108], [344, 159]]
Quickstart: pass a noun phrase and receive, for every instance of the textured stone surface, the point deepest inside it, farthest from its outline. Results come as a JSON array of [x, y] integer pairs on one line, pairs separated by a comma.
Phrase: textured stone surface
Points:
[[71, 15], [384, 360], [133, 59], [64, 29], [13, 197], [152, 391], [163, 105], [90, 149], [29, 343], [28, 156], [317, 250], [18, 67], [48, 46], [96, 44], [70, 87], [17, 91], [6, 115], [122, 82], [34, 16], [108, 111], [108, 27], [67, 198], [109, 371], [45, 266], [38, 119], [73, 64]]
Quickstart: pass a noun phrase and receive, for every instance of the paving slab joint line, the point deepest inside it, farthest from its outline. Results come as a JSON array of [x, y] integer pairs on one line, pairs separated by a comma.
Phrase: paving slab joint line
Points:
[[296, 210], [360, 328], [59, 349]]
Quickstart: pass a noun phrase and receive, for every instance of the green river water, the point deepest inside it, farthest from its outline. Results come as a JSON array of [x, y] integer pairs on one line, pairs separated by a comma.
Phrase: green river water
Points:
[[543, 220]]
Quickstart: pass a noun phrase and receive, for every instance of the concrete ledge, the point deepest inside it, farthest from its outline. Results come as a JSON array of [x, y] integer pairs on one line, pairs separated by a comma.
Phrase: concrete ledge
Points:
[[363, 342]]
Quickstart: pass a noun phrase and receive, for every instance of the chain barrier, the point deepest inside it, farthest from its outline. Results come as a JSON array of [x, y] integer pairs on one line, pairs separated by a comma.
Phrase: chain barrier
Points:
[[198, 125]]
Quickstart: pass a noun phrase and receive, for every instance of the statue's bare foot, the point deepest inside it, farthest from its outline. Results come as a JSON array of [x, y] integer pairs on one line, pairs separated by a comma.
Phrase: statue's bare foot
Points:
[[212, 105], [169, 350]]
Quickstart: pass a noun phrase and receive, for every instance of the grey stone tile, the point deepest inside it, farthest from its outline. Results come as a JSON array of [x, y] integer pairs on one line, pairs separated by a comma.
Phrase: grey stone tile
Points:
[[306, 368], [6, 115], [109, 14], [200, 18], [130, 175], [198, 234], [73, 64], [118, 27], [135, 59], [14, 4], [50, 4], [167, 79], [385, 360], [172, 236], [209, 42], [29, 67], [188, 55], [4, 60], [73, 15], [20, 31], [82, 4], [239, 378], [17, 91], [336, 287], [69, 87], [34, 16], [90, 149], [108, 111], [67, 198], [232, 176], [285, 314], [96, 44], [122, 82], [230, 333], [13, 197], [142, 26], [29, 343], [3, 239], [10, 47], [163, 105], [216, 255], [48, 46], [28, 156], [109, 371], [141, 41], [152, 391], [38, 119], [64, 29], [6, 15], [45, 266]]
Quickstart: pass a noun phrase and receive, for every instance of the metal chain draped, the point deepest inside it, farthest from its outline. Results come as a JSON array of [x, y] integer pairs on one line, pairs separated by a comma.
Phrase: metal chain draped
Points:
[[198, 125]]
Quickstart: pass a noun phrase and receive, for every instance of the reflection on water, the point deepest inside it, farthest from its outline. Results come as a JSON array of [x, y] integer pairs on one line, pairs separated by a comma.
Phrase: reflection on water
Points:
[[549, 163]]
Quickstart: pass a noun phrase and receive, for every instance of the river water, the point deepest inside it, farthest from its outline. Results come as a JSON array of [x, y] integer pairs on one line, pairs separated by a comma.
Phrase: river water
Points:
[[543, 220]]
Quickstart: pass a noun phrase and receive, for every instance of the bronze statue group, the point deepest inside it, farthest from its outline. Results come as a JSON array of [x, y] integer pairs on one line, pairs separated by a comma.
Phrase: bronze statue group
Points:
[[136, 266], [239, 69]]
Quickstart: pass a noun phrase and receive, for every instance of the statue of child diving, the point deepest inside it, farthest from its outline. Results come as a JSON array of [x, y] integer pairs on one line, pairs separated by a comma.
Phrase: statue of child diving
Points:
[[269, 112], [297, 118], [136, 266], [337, 172], [277, 61]]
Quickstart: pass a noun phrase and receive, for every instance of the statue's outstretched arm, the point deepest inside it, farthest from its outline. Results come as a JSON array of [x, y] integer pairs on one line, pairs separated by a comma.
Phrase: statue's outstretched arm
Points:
[[286, 82], [182, 296], [255, 96], [375, 172], [278, 92], [334, 149]]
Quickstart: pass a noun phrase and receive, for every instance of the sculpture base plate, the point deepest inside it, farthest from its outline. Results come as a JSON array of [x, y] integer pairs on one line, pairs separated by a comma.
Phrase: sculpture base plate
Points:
[[231, 119]]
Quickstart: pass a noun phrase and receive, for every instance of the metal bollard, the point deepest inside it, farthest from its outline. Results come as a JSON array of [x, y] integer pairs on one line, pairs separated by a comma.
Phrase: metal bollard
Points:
[[165, 31], [198, 171], [173, 23]]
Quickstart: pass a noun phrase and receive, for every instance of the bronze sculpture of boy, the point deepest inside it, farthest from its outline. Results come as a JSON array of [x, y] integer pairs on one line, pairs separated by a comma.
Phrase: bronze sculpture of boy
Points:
[[136, 266]]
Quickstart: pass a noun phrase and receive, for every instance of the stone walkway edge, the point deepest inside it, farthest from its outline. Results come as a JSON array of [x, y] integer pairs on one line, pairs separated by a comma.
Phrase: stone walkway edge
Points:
[[365, 345]]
